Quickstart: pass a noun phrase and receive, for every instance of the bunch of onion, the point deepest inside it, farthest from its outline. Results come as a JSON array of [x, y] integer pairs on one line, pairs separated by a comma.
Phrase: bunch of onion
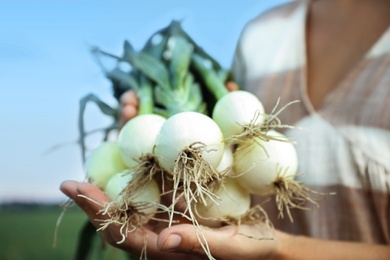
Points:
[[185, 149], [191, 151], [167, 84], [187, 121]]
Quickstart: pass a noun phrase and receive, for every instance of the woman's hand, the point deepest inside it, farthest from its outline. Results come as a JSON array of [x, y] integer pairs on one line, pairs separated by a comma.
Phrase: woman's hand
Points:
[[178, 241], [231, 86], [228, 242], [128, 107], [134, 243], [247, 242]]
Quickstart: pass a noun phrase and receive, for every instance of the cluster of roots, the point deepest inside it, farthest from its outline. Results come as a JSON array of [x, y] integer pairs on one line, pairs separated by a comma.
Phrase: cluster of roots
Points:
[[253, 217], [194, 178], [293, 194], [289, 194], [254, 130], [129, 216]]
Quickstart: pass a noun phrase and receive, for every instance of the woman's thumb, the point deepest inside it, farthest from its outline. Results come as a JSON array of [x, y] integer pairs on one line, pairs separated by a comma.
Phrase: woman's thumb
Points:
[[182, 238]]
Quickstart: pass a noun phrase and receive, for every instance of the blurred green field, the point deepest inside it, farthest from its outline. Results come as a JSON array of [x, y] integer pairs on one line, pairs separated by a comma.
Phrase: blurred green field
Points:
[[28, 233]]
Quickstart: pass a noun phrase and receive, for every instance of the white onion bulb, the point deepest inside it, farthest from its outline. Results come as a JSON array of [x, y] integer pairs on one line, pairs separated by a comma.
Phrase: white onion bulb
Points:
[[261, 163], [137, 137], [234, 201], [226, 164], [102, 163], [236, 109], [183, 129], [150, 193]]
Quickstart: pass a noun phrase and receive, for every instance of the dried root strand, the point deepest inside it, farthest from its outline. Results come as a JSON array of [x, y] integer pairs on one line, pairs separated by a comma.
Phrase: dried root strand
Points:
[[272, 121], [254, 215], [142, 173], [291, 194], [258, 218], [254, 130], [128, 216], [124, 211], [65, 206], [193, 177], [194, 180]]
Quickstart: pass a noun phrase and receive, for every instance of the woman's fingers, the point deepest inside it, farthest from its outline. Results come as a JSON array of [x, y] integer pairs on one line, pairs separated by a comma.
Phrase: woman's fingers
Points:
[[129, 98], [182, 238], [88, 197], [91, 200], [230, 242], [129, 107], [231, 86]]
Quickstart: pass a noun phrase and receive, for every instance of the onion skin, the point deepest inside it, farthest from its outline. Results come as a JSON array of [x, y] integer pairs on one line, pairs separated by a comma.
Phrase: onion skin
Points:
[[234, 202], [102, 163], [236, 109], [184, 129], [260, 164], [137, 137], [226, 165], [150, 193]]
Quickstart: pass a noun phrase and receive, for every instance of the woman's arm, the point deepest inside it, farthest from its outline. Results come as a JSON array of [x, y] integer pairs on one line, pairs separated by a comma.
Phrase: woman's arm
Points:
[[226, 244]]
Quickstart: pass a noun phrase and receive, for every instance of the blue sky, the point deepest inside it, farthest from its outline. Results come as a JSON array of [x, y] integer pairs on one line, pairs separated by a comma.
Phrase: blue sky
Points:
[[46, 67]]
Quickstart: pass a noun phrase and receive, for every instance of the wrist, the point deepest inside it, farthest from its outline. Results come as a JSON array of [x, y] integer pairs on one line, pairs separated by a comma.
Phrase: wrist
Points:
[[287, 246]]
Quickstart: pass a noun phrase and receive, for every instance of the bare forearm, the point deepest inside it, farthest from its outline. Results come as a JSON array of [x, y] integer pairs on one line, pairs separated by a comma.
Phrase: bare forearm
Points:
[[299, 247]]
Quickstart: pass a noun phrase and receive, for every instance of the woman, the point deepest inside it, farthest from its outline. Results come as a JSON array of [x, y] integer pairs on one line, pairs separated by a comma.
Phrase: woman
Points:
[[334, 56]]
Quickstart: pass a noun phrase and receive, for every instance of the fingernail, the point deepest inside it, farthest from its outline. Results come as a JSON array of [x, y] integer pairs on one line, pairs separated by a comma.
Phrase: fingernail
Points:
[[172, 242]]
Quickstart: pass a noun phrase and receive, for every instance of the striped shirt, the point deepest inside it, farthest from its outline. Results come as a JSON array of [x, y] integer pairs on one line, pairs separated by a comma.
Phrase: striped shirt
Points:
[[344, 145]]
